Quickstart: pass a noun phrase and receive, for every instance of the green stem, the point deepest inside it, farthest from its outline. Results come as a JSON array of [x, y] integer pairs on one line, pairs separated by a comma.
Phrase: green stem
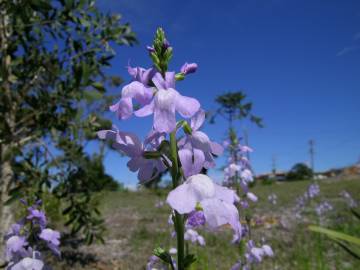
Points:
[[179, 219], [179, 227], [174, 159]]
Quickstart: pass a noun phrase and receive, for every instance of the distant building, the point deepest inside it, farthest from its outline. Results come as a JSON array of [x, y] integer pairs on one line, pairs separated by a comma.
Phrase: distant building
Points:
[[276, 176]]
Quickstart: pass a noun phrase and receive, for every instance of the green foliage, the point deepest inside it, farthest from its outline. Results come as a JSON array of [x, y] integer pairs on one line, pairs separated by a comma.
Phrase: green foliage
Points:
[[299, 171], [52, 93], [232, 107], [349, 243]]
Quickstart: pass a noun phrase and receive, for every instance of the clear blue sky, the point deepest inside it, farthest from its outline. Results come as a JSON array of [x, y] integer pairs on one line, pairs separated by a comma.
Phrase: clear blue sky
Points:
[[298, 61]]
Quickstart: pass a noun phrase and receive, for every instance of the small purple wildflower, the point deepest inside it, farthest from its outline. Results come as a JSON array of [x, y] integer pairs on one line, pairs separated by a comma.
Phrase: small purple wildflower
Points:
[[194, 237], [323, 207], [313, 190], [20, 254], [349, 200]]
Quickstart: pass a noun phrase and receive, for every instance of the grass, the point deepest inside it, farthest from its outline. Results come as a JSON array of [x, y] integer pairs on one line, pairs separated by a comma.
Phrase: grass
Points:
[[136, 227]]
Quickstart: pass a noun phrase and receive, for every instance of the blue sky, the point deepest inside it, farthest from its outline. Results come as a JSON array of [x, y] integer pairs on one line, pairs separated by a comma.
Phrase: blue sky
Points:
[[298, 62]]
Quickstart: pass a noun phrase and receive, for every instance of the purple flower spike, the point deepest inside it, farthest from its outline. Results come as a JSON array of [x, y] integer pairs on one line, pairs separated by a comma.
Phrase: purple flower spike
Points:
[[188, 68]]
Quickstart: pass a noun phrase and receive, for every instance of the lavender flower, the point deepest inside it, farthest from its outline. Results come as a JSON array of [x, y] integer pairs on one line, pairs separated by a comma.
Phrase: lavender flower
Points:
[[130, 145], [52, 239], [196, 200], [200, 190], [15, 246], [138, 90], [194, 237], [313, 190], [27, 264], [166, 102], [20, 253], [349, 200], [322, 208], [37, 216], [196, 150]]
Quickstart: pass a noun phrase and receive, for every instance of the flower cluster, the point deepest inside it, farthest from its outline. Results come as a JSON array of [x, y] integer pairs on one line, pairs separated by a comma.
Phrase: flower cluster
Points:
[[176, 145], [272, 198], [312, 192], [238, 173], [27, 237], [253, 255], [349, 200], [322, 208]]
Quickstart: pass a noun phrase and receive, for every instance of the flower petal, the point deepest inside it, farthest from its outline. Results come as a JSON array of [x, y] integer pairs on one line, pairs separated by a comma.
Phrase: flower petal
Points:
[[226, 194], [147, 172], [197, 120], [28, 263], [187, 106], [138, 91], [124, 108], [170, 79], [159, 81], [192, 161], [145, 110], [219, 213], [164, 111], [201, 141], [195, 189], [216, 148], [182, 199]]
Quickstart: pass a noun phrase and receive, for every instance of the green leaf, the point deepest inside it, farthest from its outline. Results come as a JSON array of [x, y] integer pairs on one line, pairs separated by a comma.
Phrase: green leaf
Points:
[[336, 235], [187, 129], [99, 86], [189, 260], [353, 251], [92, 95], [163, 255]]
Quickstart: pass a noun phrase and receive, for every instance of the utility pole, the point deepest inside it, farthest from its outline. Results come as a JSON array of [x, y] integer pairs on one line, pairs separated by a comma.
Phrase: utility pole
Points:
[[312, 153]]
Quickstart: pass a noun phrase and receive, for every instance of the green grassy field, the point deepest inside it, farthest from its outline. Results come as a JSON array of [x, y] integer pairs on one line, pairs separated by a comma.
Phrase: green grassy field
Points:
[[136, 226]]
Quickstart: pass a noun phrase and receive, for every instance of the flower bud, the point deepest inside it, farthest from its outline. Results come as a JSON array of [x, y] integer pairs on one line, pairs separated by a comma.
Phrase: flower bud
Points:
[[150, 49], [188, 68]]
